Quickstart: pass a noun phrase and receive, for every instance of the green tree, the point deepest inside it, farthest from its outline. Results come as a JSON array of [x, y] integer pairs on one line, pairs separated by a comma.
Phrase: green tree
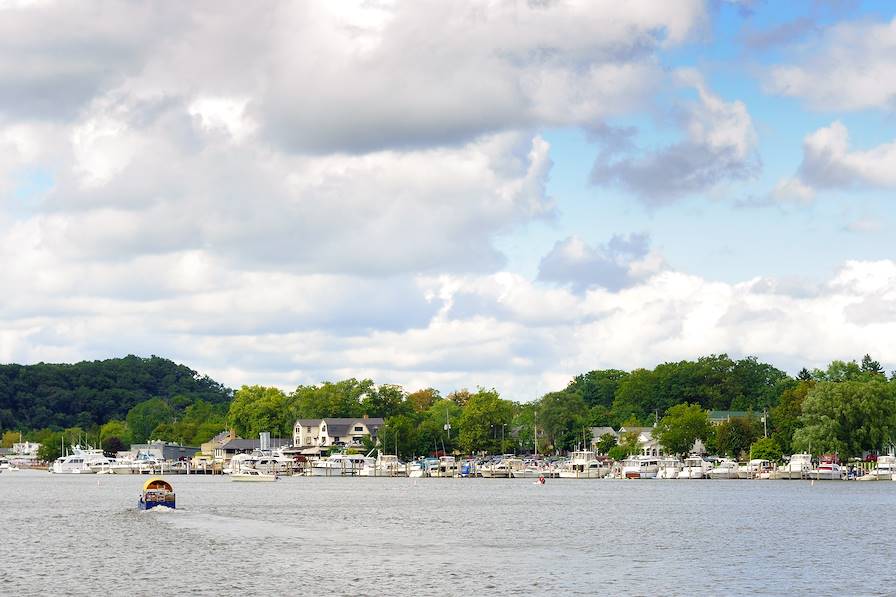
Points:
[[386, 401], [682, 425], [620, 452], [597, 388], [766, 448], [258, 408], [736, 436], [848, 417], [421, 400], [562, 416], [340, 399], [117, 429], [399, 436], [112, 445], [605, 443], [786, 417], [146, 416], [9, 438], [484, 421]]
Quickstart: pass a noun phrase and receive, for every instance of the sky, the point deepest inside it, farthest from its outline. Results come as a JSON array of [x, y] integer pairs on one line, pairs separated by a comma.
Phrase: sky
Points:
[[448, 195]]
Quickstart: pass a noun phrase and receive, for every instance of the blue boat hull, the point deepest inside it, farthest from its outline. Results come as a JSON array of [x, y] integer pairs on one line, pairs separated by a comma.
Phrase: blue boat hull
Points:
[[141, 505]]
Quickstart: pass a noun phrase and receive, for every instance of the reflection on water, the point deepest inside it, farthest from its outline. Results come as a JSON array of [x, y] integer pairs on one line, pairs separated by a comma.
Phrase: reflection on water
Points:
[[81, 535]]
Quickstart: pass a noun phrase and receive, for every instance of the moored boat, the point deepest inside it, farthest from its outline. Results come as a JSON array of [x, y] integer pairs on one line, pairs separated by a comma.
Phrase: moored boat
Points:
[[253, 475], [668, 468], [798, 467], [828, 469], [156, 492], [640, 467], [584, 464], [884, 471], [694, 468], [726, 469]]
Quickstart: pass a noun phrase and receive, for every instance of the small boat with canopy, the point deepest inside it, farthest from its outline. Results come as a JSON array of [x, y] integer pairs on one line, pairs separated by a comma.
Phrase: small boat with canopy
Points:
[[156, 492]]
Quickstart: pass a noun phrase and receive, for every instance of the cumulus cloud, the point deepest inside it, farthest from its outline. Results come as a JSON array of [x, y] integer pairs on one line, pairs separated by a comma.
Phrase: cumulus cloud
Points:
[[829, 163], [849, 67], [620, 263], [720, 146]]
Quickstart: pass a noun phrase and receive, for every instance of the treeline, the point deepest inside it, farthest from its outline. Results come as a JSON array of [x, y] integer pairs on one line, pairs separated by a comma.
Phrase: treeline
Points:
[[849, 407], [90, 393]]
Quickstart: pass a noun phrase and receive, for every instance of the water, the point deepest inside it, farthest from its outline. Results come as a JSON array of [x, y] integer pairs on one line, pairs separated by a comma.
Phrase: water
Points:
[[82, 535]]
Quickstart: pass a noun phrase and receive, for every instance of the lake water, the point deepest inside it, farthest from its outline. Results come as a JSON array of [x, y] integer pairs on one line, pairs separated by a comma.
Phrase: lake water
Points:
[[72, 535]]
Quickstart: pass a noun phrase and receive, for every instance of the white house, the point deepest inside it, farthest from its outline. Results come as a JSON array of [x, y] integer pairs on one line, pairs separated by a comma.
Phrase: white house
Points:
[[319, 433]]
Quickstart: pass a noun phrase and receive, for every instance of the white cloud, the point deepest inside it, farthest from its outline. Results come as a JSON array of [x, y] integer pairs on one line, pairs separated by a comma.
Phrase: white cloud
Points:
[[618, 264], [850, 66], [829, 162], [720, 146]]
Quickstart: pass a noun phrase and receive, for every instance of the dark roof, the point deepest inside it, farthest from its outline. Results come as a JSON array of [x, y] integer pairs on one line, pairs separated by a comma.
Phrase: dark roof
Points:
[[371, 422], [337, 429], [254, 444]]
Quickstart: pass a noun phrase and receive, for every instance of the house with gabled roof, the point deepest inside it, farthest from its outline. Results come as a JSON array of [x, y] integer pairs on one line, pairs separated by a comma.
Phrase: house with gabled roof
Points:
[[335, 431]]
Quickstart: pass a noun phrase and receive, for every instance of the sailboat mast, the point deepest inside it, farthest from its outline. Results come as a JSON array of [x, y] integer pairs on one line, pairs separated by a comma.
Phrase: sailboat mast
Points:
[[535, 429]]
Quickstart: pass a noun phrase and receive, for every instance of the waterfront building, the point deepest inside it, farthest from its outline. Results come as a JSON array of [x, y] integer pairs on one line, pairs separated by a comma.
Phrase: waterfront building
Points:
[[226, 451], [159, 450], [321, 433], [24, 453]]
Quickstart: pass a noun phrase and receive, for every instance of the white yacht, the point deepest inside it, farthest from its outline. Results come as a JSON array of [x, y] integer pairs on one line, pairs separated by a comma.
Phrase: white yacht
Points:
[[341, 465], [253, 475], [504, 468], [828, 470], [726, 469], [531, 469], [694, 468], [386, 465], [798, 467], [757, 468], [884, 471], [640, 467], [584, 464], [668, 468], [81, 462], [447, 467]]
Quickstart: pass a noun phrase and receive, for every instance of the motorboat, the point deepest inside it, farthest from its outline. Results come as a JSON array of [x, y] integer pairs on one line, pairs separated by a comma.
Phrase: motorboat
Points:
[[694, 468], [156, 492], [668, 468], [82, 461], [422, 468], [726, 469], [828, 469], [584, 464], [884, 471], [386, 465], [798, 467], [447, 467], [640, 467], [531, 470], [503, 469], [250, 474], [341, 465], [757, 468]]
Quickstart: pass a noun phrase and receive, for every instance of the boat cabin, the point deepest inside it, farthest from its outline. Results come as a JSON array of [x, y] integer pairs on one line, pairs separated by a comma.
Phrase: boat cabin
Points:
[[156, 492]]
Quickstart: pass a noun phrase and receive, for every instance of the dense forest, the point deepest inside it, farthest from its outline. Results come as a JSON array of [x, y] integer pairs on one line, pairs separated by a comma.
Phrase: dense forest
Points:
[[90, 393], [848, 407]]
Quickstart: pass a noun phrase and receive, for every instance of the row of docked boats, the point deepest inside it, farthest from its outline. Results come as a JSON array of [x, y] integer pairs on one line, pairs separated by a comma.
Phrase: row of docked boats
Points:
[[87, 460]]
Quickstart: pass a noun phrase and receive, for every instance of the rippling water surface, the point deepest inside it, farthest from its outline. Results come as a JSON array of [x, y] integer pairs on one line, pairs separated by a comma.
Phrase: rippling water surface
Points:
[[75, 535]]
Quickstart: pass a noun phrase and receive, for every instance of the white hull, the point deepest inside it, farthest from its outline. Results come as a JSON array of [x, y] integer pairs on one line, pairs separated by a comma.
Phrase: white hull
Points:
[[723, 474], [252, 478], [586, 474]]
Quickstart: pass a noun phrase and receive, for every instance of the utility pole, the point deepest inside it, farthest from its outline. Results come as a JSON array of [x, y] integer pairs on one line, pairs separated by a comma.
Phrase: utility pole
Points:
[[765, 421]]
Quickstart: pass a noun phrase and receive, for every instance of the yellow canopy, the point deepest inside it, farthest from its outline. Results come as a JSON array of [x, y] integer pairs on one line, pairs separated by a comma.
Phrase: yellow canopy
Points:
[[157, 483]]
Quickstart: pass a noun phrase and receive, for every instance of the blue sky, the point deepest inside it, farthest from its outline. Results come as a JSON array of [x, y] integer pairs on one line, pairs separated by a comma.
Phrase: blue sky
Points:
[[525, 192]]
